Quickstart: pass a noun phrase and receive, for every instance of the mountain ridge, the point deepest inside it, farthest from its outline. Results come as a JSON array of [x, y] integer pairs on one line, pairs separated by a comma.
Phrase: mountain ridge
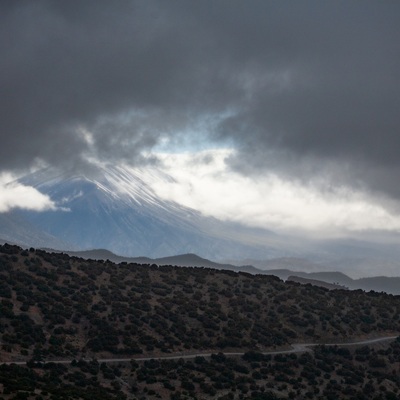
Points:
[[334, 279], [118, 209]]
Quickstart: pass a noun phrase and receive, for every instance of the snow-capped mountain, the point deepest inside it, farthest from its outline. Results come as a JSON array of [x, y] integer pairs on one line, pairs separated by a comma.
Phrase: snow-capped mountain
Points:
[[115, 208]]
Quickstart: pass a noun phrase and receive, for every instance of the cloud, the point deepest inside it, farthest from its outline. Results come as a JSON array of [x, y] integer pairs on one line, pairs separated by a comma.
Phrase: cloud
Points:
[[307, 91], [15, 195], [204, 182]]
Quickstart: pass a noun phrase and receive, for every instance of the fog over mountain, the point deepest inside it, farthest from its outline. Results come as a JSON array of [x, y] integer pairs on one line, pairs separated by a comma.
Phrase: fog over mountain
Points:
[[278, 116], [115, 208]]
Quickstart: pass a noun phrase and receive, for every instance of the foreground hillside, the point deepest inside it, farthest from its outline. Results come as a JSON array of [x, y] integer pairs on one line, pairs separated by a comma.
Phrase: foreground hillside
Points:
[[56, 307], [328, 373]]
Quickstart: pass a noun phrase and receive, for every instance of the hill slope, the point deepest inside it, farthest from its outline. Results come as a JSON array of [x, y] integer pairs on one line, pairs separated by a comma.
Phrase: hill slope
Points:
[[56, 307], [328, 279], [59, 305]]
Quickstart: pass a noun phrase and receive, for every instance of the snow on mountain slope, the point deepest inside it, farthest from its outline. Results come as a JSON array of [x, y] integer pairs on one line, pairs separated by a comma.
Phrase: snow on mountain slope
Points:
[[116, 208]]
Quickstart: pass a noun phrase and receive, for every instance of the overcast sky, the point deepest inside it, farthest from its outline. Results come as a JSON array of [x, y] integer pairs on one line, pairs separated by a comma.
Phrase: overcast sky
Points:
[[300, 96]]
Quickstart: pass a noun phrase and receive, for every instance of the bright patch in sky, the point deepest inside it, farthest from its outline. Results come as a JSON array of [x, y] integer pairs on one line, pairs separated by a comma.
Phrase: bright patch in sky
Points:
[[204, 182], [16, 195]]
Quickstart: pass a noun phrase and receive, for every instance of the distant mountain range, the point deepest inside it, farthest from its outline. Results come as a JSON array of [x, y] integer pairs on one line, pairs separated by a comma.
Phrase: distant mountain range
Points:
[[327, 279], [116, 208], [182, 260]]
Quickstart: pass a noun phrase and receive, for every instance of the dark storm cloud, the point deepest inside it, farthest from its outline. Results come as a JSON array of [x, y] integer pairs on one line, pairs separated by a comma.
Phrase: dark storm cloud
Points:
[[307, 84]]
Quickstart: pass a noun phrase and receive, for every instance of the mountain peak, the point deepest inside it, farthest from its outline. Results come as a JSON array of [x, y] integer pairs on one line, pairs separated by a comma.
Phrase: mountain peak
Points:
[[117, 208]]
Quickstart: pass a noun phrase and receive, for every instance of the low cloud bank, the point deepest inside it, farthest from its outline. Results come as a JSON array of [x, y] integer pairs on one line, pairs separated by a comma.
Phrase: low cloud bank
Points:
[[15, 195]]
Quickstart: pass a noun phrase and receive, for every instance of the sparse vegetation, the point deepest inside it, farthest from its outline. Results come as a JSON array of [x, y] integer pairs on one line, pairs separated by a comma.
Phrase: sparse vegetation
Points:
[[53, 306]]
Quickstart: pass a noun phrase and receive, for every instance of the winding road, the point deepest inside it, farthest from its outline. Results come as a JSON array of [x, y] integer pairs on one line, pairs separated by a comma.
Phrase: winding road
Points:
[[296, 348]]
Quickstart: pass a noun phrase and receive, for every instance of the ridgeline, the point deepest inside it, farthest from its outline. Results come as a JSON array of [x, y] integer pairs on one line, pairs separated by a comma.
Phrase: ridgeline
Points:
[[55, 307]]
